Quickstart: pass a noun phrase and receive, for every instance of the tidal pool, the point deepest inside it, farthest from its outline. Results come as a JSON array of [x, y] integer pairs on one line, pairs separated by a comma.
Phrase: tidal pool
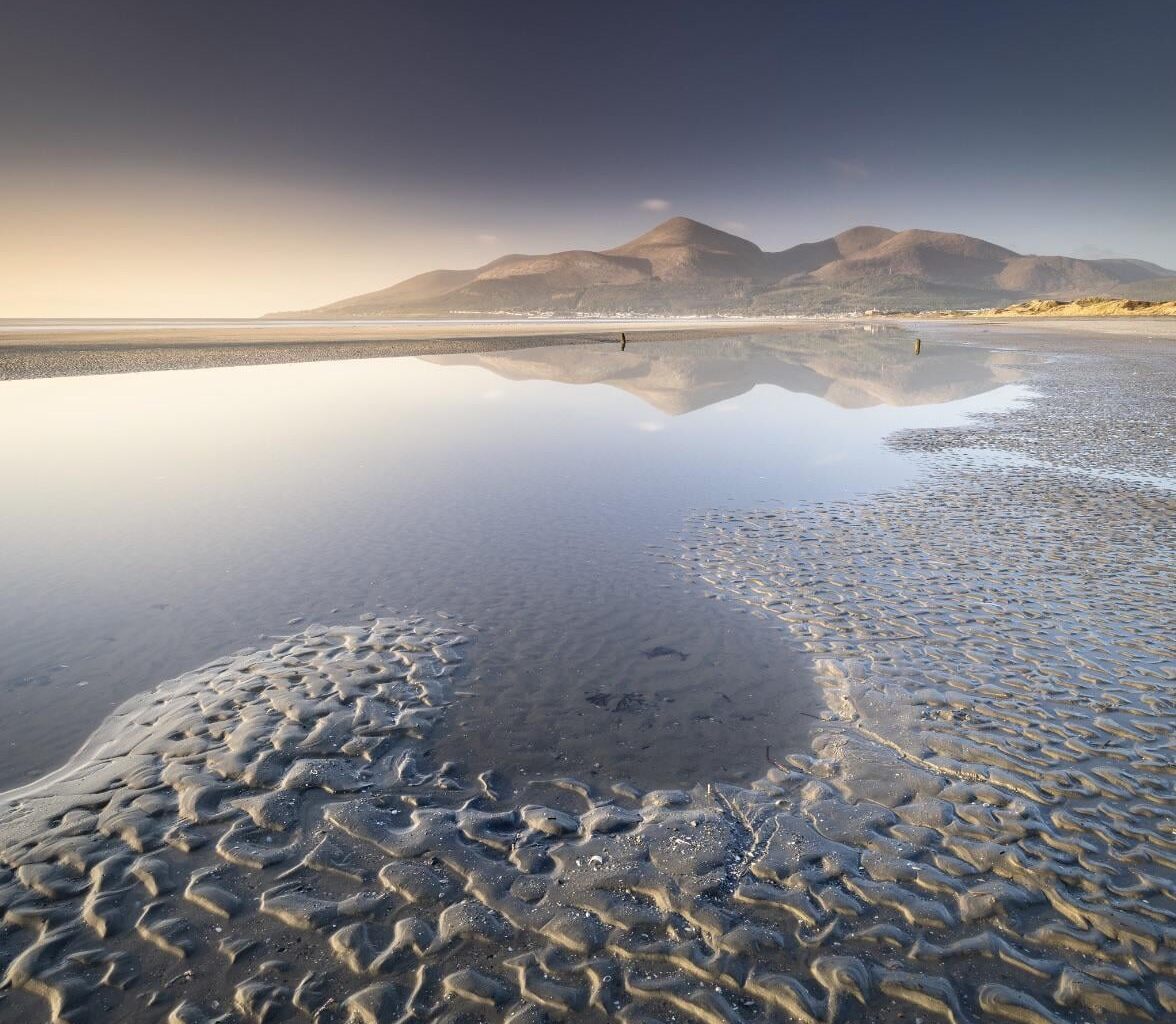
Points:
[[154, 521]]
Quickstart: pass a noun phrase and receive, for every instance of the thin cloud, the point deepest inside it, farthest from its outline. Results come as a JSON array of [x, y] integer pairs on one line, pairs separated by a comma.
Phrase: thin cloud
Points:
[[849, 170], [655, 204], [485, 239], [734, 225]]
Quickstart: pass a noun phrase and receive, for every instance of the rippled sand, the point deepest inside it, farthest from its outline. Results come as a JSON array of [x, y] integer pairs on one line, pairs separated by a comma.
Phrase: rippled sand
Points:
[[983, 828], [997, 655]]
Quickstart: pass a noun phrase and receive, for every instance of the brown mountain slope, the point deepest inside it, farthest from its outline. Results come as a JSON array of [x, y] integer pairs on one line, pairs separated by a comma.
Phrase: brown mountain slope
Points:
[[681, 249], [574, 269], [685, 267], [810, 256], [1159, 289], [423, 288], [1051, 275], [928, 255]]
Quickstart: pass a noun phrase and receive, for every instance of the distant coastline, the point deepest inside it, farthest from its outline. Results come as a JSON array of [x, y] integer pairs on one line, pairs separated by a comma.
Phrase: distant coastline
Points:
[[56, 348]]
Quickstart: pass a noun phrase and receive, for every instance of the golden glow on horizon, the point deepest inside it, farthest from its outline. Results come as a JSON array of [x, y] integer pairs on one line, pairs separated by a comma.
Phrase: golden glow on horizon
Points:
[[159, 243]]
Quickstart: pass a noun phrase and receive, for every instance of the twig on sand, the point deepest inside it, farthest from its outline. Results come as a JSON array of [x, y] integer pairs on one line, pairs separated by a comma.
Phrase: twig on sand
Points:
[[772, 761]]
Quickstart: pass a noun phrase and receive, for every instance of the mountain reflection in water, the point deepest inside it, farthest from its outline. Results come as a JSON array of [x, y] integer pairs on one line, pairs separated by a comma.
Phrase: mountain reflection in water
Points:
[[853, 369]]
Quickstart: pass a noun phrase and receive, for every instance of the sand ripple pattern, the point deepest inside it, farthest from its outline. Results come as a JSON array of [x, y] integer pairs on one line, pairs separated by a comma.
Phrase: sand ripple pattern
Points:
[[997, 653], [983, 831]]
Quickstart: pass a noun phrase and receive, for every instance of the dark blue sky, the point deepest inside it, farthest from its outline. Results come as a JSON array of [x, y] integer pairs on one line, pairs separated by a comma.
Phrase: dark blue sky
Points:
[[414, 134]]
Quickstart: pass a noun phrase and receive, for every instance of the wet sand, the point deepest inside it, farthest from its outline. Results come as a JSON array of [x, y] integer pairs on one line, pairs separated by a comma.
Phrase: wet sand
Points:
[[1075, 330], [982, 829], [31, 349]]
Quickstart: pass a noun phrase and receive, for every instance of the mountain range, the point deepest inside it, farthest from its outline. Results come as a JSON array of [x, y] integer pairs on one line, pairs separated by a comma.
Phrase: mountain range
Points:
[[684, 267]]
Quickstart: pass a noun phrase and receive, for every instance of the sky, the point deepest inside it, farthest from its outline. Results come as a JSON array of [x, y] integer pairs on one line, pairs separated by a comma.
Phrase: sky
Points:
[[235, 157]]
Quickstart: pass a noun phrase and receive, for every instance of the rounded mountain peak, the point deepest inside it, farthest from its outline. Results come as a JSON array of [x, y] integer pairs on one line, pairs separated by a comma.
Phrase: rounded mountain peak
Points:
[[684, 231], [860, 239]]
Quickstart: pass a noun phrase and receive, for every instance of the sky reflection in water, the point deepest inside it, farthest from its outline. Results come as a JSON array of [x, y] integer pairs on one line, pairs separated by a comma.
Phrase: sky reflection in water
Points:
[[155, 521]]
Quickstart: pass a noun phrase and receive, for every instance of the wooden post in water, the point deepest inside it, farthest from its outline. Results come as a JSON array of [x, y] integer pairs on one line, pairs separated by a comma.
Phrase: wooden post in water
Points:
[[622, 341], [918, 345]]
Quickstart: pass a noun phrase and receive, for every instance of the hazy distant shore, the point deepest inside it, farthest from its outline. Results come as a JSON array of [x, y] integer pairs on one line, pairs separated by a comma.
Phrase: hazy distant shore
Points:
[[62, 349], [30, 349]]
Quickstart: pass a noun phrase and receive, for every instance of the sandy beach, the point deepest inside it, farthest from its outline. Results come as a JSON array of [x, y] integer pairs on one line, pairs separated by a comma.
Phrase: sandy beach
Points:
[[30, 349], [54, 349], [1074, 329], [977, 827], [549, 514]]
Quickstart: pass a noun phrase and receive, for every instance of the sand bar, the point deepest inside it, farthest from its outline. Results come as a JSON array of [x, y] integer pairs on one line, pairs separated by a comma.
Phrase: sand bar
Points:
[[30, 348], [67, 348]]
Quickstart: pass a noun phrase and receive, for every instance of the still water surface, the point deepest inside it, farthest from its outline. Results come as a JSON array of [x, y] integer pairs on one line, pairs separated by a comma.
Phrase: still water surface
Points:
[[154, 521]]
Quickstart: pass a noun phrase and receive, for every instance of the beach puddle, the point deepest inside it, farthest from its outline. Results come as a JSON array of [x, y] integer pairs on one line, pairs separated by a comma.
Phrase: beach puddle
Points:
[[371, 820], [154, 521]]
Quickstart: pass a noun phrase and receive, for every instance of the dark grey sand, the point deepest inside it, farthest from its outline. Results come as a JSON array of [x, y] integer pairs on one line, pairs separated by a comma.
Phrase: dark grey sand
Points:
[[983, 829]]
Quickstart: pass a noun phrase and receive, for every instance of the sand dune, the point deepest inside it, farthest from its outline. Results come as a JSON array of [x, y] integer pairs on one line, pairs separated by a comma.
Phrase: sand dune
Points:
[[1083, 307]]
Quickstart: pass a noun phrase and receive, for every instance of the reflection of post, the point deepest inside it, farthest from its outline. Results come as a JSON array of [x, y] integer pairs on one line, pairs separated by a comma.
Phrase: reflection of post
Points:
[[622, 341], [918, 345]]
